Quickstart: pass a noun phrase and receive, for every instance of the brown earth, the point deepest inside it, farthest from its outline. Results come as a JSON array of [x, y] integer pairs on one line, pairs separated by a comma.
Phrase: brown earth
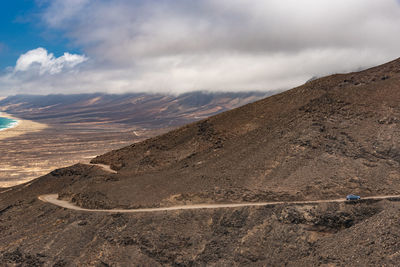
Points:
[[325, 139]]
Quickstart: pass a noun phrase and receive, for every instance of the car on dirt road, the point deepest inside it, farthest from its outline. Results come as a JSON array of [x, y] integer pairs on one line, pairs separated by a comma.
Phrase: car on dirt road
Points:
[[352, 197]]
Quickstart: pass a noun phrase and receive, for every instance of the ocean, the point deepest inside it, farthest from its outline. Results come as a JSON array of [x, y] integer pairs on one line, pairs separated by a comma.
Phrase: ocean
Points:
[[6, 123]]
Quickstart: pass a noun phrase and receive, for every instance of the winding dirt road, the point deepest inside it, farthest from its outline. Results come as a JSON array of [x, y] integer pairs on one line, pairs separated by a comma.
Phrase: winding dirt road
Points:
[[53, 199]]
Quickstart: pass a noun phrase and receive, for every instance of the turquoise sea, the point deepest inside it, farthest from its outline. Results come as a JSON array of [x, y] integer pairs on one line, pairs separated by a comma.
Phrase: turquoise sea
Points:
[[6, 123]]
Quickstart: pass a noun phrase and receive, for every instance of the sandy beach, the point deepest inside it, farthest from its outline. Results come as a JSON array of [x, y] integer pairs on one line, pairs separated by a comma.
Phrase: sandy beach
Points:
[[23, 126]]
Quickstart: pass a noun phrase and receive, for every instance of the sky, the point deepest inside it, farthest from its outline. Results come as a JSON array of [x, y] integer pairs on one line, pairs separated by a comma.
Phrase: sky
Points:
[[176, 46]]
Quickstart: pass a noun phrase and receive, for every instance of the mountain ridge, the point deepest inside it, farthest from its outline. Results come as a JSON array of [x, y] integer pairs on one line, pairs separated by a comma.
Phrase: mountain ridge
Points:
[[141, 109]]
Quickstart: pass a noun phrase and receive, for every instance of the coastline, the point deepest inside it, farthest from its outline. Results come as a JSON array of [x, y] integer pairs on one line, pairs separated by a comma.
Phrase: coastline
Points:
[[21, 127], [13, 124]]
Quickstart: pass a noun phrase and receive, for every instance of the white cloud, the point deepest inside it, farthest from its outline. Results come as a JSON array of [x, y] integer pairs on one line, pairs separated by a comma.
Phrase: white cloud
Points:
[[179, 45], [47, 63], [61, 11]]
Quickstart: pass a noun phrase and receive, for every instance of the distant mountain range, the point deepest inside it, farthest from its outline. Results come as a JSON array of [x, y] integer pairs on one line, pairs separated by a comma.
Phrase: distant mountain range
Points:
[[144, 110]]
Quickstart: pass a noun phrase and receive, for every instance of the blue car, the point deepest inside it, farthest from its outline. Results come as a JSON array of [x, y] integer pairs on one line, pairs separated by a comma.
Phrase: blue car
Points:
[[353, 197]]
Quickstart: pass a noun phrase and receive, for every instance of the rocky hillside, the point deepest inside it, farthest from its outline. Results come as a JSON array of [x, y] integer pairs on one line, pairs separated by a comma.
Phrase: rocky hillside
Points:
[[327, 138]]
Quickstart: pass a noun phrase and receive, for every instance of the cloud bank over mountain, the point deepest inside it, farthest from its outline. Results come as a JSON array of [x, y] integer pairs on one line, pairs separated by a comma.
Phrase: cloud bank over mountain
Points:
[[176, 46]]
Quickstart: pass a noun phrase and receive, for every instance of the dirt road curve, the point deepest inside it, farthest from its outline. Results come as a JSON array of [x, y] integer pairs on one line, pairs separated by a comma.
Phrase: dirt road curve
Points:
[[53, 199], [104, 167]]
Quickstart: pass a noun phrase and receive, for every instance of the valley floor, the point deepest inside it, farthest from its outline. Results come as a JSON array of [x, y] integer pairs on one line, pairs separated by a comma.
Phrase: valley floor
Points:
[[26, 155]]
